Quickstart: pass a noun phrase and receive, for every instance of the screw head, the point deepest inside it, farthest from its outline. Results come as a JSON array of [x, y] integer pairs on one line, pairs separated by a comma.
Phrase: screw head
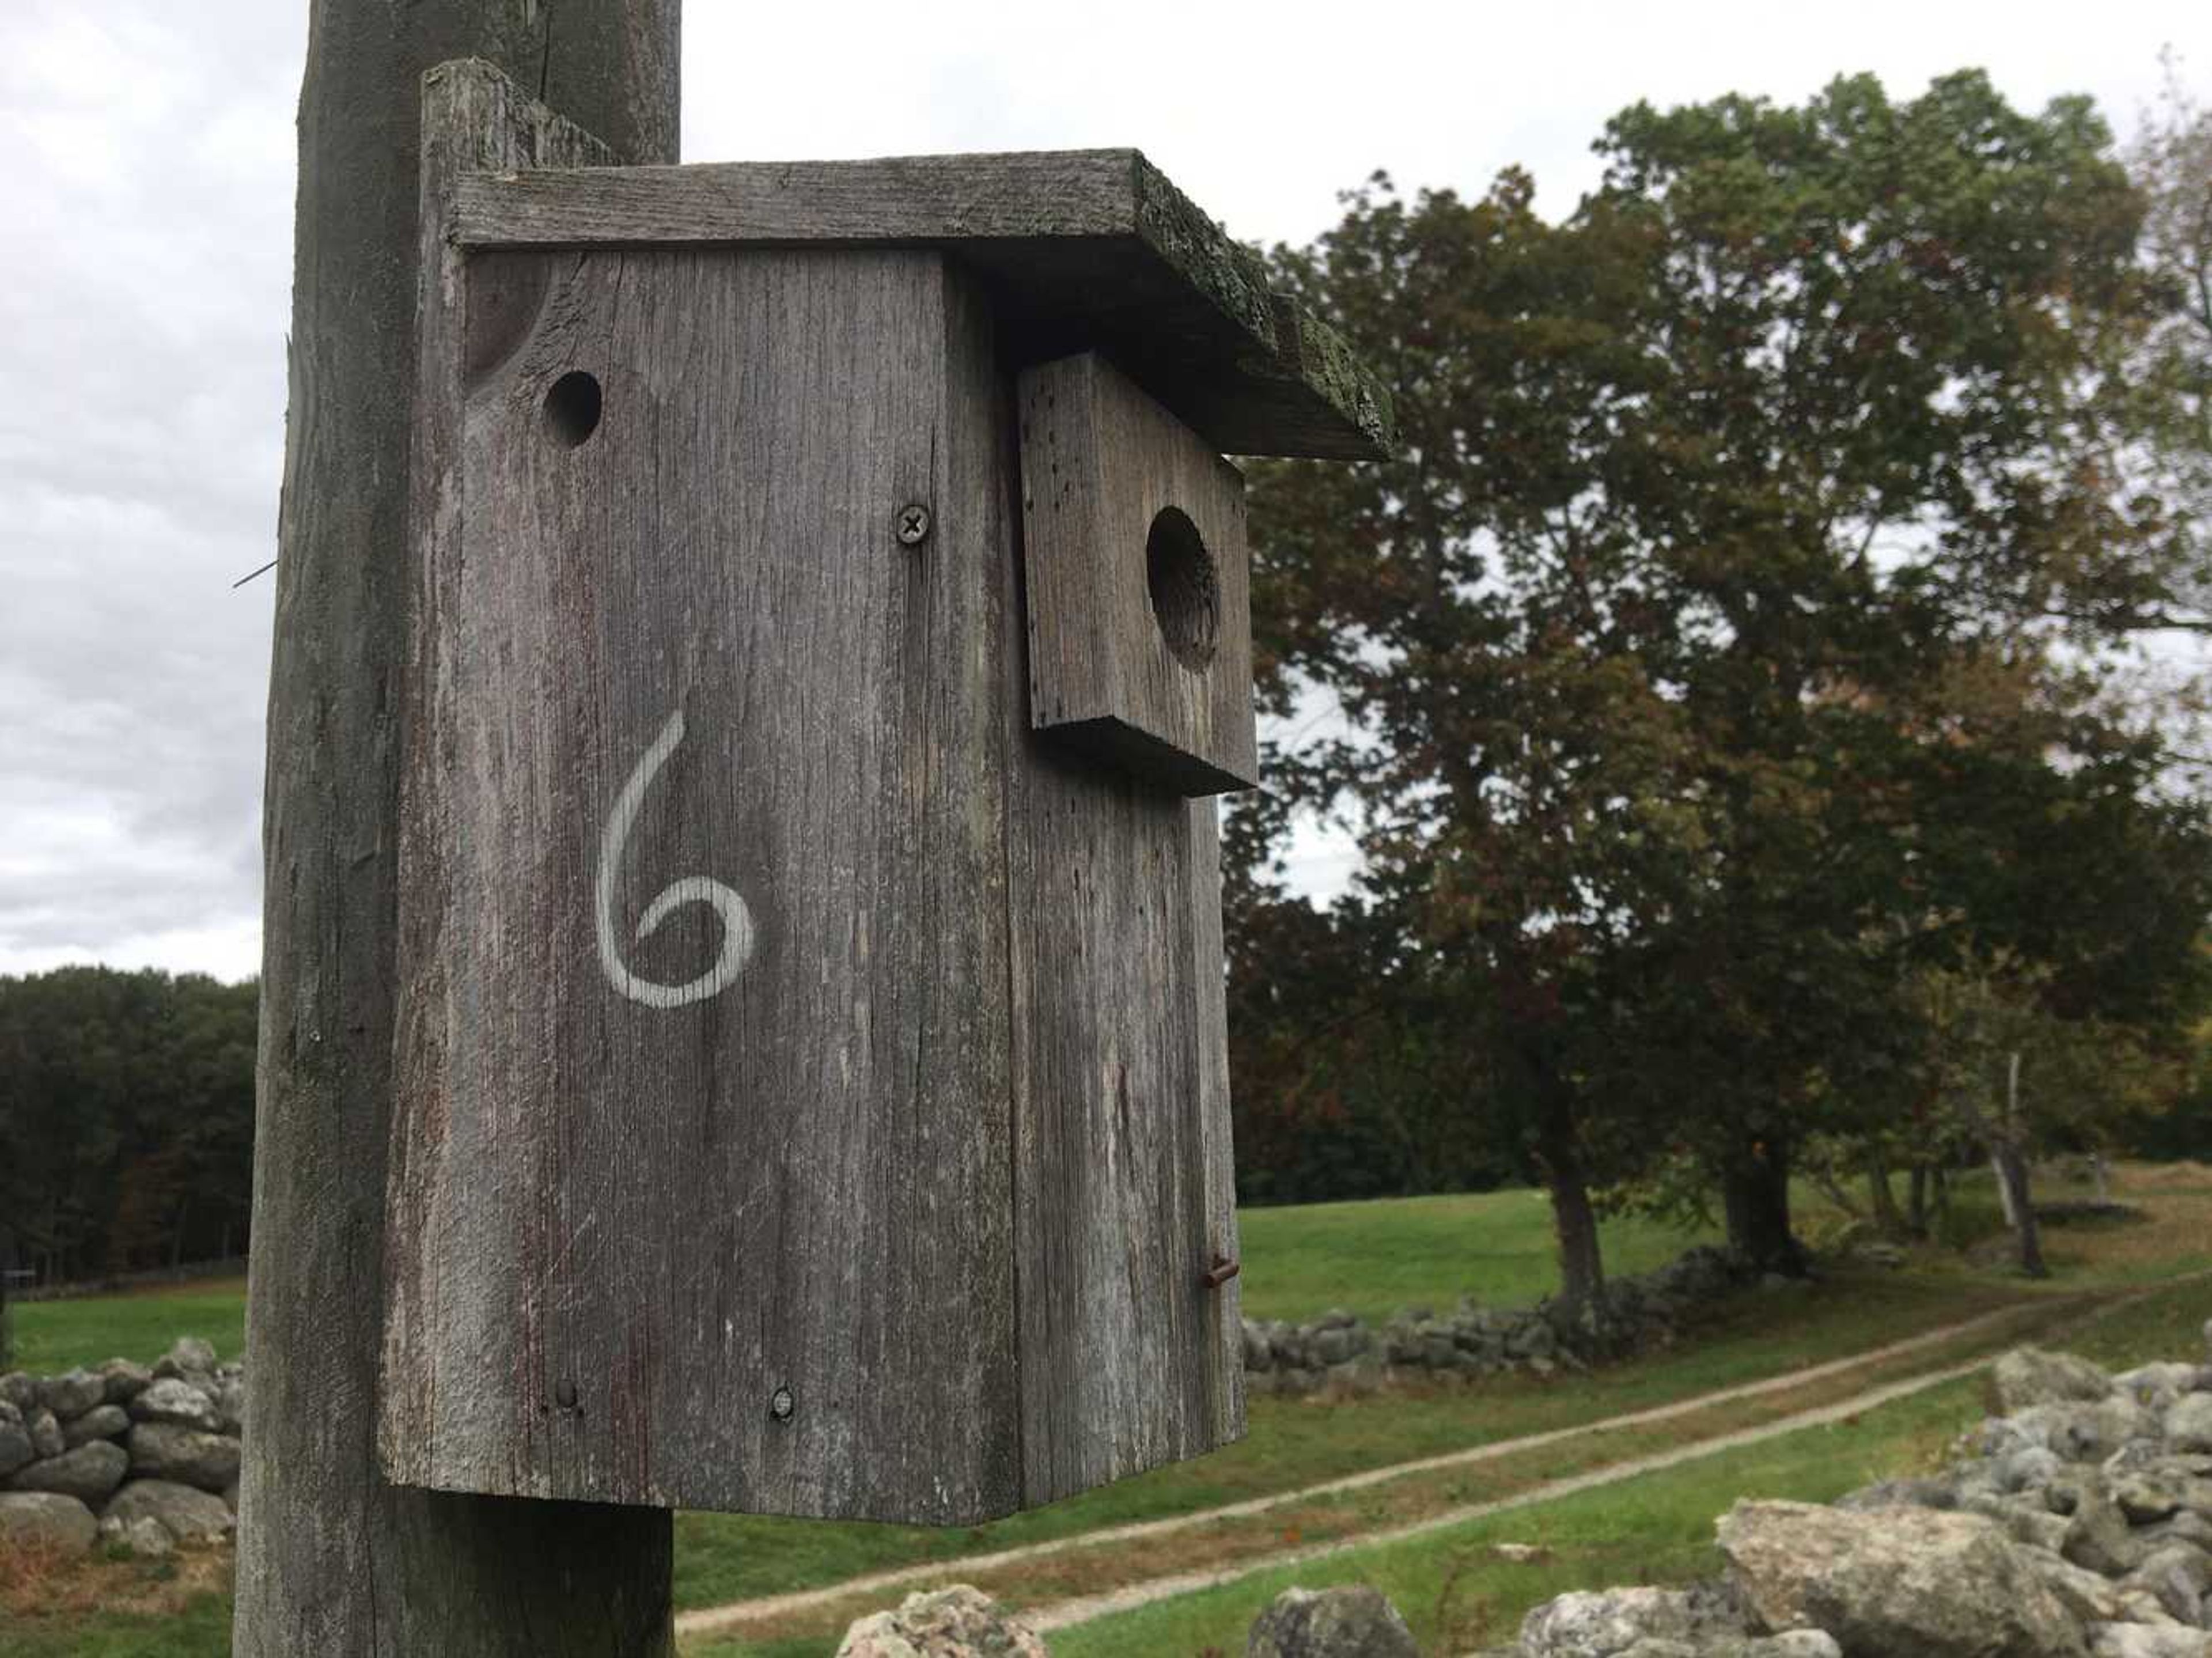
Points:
[[564, 1394], [913, 523], [780, 1405]]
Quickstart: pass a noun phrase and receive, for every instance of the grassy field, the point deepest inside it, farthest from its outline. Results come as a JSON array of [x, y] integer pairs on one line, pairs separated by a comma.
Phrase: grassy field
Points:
[[1372, 1259], [138, 1324]]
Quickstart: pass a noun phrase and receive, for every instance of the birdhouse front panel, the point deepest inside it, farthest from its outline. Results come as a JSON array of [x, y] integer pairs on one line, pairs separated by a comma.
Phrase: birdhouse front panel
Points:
[[705, 1198], [811, 1091]]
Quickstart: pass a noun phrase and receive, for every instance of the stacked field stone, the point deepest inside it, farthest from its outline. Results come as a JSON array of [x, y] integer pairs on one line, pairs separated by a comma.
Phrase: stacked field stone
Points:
[[148, 1458], [2076, 1524], [1339, 1353]]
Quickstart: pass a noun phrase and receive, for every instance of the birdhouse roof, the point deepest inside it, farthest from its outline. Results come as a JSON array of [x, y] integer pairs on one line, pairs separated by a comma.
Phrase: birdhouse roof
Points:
[[1091, 249]]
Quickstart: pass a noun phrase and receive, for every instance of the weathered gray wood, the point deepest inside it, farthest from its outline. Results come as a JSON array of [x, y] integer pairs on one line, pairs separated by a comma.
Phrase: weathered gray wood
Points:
[[623, 1226], [1137, 582], [333, 1559], [1088, 248], [1124, 1188]]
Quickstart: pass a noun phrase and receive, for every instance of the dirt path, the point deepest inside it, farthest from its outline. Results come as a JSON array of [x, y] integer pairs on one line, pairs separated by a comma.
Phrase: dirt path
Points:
[[708, 1620], [1063, 1613]]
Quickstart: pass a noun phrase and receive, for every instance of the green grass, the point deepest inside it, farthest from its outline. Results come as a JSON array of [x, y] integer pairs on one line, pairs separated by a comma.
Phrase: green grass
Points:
[[1377, 1258], [200, 1630], [56, 1335]]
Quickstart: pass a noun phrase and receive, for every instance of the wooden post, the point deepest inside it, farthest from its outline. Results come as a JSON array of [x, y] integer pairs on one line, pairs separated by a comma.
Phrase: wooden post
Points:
[[333, 1560]]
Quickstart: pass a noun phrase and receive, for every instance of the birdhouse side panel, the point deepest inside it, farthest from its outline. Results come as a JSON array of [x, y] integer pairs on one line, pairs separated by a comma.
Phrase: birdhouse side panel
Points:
[[702, 1199], [1125, 1188]]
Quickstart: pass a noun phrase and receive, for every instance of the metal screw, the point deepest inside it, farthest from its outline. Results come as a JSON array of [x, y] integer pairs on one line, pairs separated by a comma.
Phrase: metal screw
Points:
[[780, 1405], [1222, 1270], [914, 523], [564, 1395]]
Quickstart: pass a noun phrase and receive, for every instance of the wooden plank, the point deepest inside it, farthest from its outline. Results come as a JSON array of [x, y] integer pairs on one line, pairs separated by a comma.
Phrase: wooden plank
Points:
[[1137, 582], [1122, 1177], [332, 1559], [1086, 248], [667, 1180], [1224, 1370]]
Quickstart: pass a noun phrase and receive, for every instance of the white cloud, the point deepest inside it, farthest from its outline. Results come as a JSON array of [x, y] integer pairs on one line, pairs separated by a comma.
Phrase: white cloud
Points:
[[145, 198]]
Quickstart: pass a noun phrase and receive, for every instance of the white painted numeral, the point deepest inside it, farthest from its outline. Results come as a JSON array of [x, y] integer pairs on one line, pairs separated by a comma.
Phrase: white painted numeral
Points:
[[729, 907]]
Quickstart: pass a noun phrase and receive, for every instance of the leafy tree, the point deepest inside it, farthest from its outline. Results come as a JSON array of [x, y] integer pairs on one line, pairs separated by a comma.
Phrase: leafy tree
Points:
[[1726, 510], [126, 1118]]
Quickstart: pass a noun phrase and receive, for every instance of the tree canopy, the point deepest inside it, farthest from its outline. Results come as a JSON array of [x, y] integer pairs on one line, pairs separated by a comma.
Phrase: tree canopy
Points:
[[1699, 655], [126, 1119]]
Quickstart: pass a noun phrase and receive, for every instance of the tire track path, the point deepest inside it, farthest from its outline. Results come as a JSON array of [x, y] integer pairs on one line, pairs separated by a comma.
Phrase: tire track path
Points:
[[713, 1619]]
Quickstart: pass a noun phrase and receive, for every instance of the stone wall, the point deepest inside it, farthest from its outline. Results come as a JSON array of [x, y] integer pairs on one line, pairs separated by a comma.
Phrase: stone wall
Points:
[[1339, 1353], [2076, 1524], [144, 1457]]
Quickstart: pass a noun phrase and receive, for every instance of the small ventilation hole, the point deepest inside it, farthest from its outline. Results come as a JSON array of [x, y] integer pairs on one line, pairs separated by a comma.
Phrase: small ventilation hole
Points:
[[572, 408]]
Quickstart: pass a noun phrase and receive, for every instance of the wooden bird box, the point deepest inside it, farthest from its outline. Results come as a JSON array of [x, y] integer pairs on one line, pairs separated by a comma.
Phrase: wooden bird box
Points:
[[831, 616]]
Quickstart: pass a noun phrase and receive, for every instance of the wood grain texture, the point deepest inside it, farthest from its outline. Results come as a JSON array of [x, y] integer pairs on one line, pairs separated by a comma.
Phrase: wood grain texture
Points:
[[1085, 249], [1140, 626], [620, 1228], [1123, 1183], [332, 1559]]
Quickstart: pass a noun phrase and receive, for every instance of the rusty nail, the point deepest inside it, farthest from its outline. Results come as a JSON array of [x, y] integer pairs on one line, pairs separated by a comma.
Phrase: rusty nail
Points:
[[914, 523], [780, 1405], [1223, 1269], [564, 1395]]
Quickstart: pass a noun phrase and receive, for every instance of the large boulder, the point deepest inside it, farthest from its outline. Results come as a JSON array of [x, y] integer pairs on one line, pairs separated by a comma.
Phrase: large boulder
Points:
[[1604, 1623], [101, 1422], [187, 1356], [72, 1394], [2028, 1376], [2157, 1386], [47, 1517], [2100, 1538], [2150, 1641], [2177, 1578], [187, 1515], [2086, 1432], [124, 1380], [171, 1398], [2189, 1422], [1354, 1621], [163, 1450], [959, 1622], [88, 1474], [1899, 1581], [15, 1439]]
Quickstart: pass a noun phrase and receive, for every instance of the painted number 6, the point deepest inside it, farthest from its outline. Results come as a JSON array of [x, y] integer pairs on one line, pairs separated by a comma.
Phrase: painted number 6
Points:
[[729, 908]]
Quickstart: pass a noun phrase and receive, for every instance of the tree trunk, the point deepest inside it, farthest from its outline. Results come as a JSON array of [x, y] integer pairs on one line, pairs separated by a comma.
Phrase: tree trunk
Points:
[[331, 1559], [1916, 1213], [2012, 1181], [1574, 1219], [1882, 1195], [1755, 1197], [2004, 1188], [2012, 1177]]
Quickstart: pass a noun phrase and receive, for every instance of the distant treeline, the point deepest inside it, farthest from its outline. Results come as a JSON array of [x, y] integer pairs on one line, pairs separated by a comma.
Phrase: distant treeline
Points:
[[126, 1121]]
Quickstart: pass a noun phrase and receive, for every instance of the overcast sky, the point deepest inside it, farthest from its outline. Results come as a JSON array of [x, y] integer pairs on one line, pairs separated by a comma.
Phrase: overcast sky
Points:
[[146, 159]]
